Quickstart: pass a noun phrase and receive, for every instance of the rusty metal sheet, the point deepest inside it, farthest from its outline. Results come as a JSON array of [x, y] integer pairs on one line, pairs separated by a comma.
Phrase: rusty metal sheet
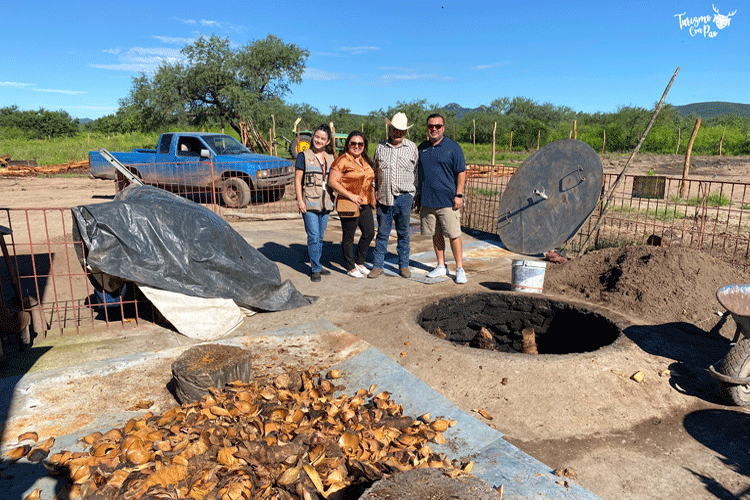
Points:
[[549, 197]]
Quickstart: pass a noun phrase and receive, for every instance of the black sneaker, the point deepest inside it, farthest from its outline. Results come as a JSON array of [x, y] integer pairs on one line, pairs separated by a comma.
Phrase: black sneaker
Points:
[[325, 272], [315, 277]]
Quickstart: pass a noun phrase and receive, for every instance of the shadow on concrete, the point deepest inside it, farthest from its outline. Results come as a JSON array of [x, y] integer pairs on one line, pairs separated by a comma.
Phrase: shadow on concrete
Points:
[[725, 432], [693, 351], [16, 479]]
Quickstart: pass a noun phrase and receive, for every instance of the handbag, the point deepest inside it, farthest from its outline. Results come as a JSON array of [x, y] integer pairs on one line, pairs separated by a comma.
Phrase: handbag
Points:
[[346, 208]]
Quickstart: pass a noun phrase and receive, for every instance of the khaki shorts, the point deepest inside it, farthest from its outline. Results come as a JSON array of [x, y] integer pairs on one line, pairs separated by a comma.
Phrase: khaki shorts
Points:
[[445, 221]]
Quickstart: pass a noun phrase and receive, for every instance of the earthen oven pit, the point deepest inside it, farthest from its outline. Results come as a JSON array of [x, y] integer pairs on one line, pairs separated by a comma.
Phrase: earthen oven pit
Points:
[[519, 323]]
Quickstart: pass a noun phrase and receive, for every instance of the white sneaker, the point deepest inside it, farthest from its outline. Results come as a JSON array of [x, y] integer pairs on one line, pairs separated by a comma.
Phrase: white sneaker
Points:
[[437, 272], [460, 276], [355, 274], [362, 269]]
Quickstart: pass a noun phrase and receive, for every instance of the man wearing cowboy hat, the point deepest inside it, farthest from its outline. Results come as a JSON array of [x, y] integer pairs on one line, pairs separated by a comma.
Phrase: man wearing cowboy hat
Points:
[[395, 176]]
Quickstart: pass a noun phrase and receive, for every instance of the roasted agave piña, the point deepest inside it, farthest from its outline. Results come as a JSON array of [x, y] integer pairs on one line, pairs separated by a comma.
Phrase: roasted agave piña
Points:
[[289, 439]]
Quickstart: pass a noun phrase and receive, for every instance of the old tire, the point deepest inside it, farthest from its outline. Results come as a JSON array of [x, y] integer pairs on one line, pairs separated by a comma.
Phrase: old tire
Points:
[[299, 145], [235, 193], [736, 364]]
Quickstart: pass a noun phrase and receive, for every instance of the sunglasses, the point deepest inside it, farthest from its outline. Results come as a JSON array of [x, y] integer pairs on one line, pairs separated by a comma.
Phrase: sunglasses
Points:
[[357, 144], [434, 126]]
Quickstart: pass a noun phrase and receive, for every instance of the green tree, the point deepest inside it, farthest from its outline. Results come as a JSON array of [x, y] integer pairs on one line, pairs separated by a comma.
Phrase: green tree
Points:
[[217, 83]]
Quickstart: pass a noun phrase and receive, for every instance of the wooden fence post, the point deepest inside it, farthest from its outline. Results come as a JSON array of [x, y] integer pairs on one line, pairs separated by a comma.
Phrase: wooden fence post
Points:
[[494, 128], [510, 143], [604, 138], [575, 129], [721, 142], [686, 167], [333, 133], [474, 135], [274, 147], [538, 138], [677, 151]]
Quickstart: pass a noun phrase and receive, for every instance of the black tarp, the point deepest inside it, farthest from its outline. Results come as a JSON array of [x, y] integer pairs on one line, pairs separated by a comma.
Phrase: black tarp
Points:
[[150, 236]]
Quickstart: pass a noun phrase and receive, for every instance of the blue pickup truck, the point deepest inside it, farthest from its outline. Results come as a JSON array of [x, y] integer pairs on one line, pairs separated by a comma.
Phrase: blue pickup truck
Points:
[[203, 162]]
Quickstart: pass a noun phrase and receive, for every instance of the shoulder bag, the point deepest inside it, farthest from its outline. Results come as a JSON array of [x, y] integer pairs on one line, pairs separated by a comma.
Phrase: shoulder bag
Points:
[[346, 208]]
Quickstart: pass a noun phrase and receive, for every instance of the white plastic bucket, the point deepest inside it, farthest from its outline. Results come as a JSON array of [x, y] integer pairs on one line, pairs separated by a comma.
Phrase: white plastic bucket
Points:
[[528, 276]]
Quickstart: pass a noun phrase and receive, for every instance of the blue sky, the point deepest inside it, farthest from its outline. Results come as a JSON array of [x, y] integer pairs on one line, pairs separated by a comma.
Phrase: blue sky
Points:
[[80, 57]]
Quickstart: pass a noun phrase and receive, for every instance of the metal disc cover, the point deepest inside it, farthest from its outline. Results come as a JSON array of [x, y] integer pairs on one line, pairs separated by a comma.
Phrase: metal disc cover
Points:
[[549, 197]]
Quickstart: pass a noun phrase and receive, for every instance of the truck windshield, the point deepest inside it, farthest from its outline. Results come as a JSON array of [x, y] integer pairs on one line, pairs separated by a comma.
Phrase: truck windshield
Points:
[[224, 144]]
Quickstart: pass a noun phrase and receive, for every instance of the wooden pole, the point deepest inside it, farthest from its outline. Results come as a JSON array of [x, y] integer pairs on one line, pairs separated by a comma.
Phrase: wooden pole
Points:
[[270, 141], [688, 153], [721, 142], [677, 151], [538, 138], [604, 139], [474, 135], [333, 133], [274, 146], [575, 129], [494, 128], [627, 164], [510, 144]]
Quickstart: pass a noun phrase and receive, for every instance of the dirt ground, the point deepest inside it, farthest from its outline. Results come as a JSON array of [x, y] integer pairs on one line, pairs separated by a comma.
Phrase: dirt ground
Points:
[[670, 436]]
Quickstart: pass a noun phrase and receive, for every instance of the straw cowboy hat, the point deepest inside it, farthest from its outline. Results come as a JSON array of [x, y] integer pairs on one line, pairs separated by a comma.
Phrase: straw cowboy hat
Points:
[[399, 122]]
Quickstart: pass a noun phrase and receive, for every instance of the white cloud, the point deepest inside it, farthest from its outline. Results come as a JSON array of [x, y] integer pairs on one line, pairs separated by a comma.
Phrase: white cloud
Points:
[[481, 67], [16, 84], [320, 75], [358, 50], [394, 68], [187, 21], [324, 54], [145, 59], [112, 51], [175, 40], [210, 24], [57, 91], [417, 76]]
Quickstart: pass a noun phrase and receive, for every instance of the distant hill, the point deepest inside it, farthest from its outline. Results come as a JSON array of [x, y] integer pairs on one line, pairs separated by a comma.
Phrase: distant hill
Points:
[[705, 110], [461, 111], [708, 110]]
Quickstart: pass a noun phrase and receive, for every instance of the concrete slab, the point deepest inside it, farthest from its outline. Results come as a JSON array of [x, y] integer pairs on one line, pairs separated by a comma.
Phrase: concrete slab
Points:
[[69, 403]]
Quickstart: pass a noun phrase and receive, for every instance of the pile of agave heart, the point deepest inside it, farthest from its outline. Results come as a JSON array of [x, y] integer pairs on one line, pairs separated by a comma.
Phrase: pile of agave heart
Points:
[[290, 439]]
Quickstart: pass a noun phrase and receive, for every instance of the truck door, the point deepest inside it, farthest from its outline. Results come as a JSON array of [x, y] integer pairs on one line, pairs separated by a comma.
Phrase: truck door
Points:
[[163, 172]]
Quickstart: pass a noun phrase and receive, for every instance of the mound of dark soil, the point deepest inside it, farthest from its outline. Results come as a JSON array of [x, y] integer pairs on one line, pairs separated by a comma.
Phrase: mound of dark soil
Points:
[[659, 285]]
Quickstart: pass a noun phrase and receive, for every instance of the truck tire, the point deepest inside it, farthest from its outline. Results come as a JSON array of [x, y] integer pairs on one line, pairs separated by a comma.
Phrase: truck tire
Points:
[[736, 364], [296, 147], [275, 194], [235, 193]]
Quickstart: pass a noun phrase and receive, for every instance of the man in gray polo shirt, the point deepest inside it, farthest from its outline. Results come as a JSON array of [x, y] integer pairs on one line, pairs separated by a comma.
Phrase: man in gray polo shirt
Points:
[[395, 174]]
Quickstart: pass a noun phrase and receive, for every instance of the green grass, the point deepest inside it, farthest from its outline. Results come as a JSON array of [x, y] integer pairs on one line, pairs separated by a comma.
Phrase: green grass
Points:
[[713, 200], [482, 192], [483, 155], [661, 214]]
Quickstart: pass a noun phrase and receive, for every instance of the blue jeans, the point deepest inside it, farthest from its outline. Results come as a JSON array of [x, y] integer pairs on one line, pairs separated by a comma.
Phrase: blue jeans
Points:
[[400, 213], [315, 227]]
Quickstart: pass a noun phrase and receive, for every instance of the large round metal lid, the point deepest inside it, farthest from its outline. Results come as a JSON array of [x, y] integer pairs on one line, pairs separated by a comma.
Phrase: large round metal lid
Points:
[[549, 197]]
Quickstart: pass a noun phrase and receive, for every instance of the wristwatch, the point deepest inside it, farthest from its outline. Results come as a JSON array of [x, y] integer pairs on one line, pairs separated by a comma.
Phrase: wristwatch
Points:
[[459, 196]]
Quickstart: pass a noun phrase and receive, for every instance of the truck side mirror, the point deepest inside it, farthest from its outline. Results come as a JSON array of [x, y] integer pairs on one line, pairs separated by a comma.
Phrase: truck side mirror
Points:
[[205, 153]]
